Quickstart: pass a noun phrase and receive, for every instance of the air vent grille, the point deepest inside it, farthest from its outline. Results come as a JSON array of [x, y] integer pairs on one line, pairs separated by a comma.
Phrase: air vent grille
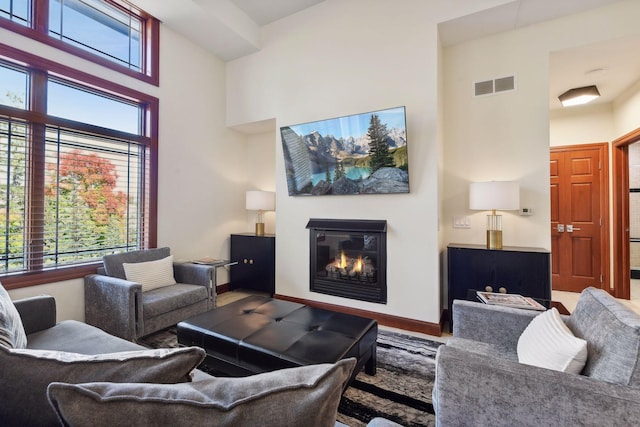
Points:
[[484, 88], [488, 87], [505, 84]]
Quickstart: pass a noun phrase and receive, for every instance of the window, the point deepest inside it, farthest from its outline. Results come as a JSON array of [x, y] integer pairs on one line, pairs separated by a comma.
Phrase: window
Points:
[[111, 33], [89, 107], [77, 170], [99, 28], [18, 11], [14, 87]]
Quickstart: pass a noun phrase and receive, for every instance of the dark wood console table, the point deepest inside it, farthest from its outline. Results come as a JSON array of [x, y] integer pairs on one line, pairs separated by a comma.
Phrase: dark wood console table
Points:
[[514, 270]]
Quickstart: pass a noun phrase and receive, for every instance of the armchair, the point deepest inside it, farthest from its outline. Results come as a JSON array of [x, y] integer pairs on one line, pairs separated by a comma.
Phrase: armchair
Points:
[[122, 308], [479, 380]]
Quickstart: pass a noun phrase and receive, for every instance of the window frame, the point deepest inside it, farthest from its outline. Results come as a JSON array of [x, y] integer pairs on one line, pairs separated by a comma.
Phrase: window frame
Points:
[[150, 34], [149, 136]]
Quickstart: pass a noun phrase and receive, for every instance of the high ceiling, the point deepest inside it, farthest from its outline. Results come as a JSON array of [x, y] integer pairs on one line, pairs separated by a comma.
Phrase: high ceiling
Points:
[[231, 29]]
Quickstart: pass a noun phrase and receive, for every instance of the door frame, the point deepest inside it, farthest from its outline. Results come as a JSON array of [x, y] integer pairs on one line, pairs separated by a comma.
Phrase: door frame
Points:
[[621, 250], [603, 147]]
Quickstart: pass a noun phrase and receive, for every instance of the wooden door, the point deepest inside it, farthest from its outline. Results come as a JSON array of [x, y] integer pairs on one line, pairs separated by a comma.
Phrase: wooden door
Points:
[[578, 217]]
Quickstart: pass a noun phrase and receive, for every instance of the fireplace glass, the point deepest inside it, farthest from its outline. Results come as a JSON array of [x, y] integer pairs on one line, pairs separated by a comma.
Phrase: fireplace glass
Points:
[[349, 263]]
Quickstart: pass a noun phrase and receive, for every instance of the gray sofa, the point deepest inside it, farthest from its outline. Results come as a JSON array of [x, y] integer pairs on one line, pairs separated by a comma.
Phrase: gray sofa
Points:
[[120, 306], [154, 390], [480, 382]]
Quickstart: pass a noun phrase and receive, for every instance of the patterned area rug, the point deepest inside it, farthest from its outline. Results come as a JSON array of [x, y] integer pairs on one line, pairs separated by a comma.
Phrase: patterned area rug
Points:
[[400, 391]]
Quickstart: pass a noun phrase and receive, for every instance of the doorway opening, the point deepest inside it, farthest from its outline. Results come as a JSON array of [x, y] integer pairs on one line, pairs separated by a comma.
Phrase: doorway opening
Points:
[[621, 221]]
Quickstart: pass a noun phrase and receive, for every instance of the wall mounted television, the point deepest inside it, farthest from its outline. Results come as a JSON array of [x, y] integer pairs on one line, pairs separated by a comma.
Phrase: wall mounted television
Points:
[[358, 154]]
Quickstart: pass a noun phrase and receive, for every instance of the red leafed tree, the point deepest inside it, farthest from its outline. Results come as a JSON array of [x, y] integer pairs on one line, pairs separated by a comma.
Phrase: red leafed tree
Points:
[[84, 198]]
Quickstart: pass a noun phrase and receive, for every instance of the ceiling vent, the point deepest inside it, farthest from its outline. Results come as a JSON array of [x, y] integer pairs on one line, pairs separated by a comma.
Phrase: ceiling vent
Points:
[[488, 87]]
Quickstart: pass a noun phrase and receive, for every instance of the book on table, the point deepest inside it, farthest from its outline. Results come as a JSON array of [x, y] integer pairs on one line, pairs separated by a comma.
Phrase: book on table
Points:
[[209, 261], [510, 300]]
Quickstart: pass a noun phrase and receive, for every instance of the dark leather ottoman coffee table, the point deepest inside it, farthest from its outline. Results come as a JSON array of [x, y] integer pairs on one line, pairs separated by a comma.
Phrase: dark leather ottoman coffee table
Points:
[[260, 334]]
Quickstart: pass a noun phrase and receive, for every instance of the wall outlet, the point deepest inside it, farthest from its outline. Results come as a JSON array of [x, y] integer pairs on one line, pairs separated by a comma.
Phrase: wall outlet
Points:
[[460, 221]]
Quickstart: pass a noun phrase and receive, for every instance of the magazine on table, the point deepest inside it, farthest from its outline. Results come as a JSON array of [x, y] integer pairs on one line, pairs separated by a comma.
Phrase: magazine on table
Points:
[[208, 261], [510, 300]]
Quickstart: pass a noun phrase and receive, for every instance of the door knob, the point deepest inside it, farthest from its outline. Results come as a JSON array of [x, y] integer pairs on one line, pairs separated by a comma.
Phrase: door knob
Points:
[[560, 228], [571, 228]]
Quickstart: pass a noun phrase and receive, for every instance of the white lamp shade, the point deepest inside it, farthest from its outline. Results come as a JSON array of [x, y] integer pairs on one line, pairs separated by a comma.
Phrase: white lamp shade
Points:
[[498, 195], [261, 201]]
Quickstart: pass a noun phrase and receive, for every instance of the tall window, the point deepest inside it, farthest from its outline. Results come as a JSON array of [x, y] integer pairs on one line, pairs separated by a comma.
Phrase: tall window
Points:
[[18, 11], [109, 32], [77, 168], [99, 28]]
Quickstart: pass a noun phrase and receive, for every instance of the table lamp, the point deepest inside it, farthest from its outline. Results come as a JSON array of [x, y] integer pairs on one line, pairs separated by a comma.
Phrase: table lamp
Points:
[[260, 201], [493, 196]]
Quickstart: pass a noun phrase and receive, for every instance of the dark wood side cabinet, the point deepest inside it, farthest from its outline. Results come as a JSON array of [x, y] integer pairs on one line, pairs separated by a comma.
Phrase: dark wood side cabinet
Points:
[[514, 270], [256, 262]]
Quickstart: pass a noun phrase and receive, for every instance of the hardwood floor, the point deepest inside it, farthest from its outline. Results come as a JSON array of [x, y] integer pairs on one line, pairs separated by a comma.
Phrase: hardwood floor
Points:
[[570, 299]]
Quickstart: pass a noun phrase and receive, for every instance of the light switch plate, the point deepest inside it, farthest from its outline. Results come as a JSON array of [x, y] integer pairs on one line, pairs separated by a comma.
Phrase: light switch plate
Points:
[[460, 221]]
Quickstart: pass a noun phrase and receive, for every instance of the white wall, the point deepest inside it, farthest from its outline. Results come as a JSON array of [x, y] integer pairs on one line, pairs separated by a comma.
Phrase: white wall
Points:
[[261, 175], [344, 57], [202, 163], [507, 136], [627, 111], [340, 58], [582, 125]]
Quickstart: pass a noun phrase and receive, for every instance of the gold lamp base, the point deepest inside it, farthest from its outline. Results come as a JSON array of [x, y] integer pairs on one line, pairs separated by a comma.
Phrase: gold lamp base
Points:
[[259, 228], [494, 239]]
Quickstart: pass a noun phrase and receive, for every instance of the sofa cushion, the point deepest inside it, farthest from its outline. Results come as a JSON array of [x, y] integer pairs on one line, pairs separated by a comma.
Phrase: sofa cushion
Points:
[[78, 337], [151, 274], [163, 300], [548, 343], [612, 332], [12, 333], [303, 396], [30, 372]]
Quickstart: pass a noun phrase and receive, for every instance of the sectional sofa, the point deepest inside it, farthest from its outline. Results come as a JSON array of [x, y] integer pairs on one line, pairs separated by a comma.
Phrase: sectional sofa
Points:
[[506, 366], [71, 373]]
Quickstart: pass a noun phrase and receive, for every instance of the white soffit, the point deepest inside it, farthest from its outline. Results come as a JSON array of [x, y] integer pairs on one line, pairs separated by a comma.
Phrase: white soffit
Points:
[[266, 11], [229, 29], [510, 16]]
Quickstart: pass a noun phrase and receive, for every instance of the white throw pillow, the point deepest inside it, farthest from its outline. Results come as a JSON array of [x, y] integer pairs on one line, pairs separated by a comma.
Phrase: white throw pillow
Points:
[[12, 333], [548, 343], [151, 274]]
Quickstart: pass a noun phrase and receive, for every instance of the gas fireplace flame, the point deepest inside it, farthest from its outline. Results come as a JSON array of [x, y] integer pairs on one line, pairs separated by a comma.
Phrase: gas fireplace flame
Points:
[[357, 266], [351, 266]]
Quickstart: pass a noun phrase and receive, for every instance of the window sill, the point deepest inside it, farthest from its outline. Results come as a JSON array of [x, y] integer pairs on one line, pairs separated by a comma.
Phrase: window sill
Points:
[[23, 280]]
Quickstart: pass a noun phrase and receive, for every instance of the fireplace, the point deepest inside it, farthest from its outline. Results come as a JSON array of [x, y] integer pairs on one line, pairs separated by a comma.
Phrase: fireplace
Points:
[[348, 258]]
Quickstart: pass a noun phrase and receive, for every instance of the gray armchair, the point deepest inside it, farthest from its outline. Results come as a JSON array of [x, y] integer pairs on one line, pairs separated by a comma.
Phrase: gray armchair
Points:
[[480, 382], [121, 308]]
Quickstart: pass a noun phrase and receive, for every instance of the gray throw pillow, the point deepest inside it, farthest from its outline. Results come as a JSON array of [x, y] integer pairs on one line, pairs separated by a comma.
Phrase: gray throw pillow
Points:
[[12, 333], [304, 396], [25, 375]]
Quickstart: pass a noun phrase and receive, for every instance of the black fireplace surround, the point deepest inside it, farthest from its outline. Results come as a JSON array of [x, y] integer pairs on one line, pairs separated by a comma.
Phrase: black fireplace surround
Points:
[[348, 258]]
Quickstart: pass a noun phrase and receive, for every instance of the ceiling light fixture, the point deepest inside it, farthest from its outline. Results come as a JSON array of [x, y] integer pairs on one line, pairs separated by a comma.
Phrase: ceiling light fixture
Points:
[[579, 96]]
